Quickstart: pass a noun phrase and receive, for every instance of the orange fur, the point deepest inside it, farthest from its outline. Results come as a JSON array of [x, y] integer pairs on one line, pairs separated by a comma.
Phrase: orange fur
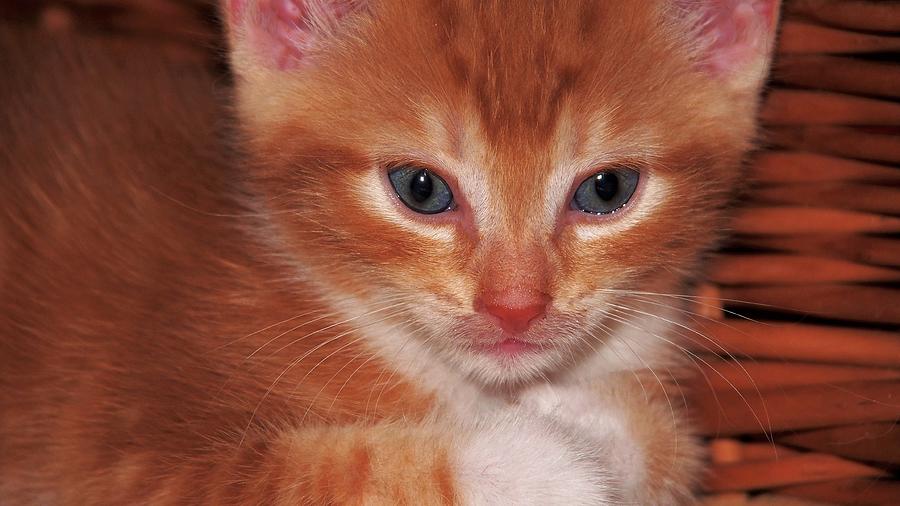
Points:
[[186, 321], [128, 315]]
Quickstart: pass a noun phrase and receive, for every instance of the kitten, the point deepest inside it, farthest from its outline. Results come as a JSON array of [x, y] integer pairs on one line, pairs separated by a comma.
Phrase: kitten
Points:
[[430, 271]]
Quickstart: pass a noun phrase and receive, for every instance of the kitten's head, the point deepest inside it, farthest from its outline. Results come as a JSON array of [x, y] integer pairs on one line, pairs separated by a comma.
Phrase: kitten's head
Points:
[[490, 176]]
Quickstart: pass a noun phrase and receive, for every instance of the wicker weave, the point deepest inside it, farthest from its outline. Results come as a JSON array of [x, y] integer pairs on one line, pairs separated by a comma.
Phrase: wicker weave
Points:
[[800, 403], [815, 259]]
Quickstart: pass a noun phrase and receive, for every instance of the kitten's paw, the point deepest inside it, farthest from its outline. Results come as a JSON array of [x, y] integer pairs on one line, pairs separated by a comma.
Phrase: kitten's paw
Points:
[[519, 457]]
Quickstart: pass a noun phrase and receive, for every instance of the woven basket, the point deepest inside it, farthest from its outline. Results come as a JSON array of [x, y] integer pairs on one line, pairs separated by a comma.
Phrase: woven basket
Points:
[[804, 401], [800, 391]]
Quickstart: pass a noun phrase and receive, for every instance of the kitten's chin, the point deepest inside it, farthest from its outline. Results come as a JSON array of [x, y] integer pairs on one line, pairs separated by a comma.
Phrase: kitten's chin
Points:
[[495, 357], [510, 348], [510, 360], [511, 363]]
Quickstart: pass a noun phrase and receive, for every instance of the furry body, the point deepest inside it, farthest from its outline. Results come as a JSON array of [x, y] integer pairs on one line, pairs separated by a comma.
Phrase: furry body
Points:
[[187, 323]]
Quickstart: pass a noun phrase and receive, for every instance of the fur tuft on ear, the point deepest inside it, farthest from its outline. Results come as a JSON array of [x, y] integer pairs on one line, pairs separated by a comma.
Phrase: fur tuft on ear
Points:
[[734, 38], [279, 34]]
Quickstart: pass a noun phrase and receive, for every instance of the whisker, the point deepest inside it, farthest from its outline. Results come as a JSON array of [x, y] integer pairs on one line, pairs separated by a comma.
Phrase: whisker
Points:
[[323, 329], [695, 332], [326, 315], [425, 343], [609, 333], [721, 349], [765, 431], [268, 327], [299, 360], [694, 298], [372, 356], [649, 300], [361, 337], [292, 318], [661, 386]]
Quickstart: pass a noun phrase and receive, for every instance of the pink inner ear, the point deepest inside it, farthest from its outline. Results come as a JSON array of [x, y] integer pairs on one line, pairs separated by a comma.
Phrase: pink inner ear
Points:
[[281, 32], [734, 32]]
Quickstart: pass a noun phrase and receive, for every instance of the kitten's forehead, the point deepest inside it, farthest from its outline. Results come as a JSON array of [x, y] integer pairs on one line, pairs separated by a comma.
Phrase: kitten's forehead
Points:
[[525, 95], [517, 70], [529, 82], [515, 101], [519, 67]]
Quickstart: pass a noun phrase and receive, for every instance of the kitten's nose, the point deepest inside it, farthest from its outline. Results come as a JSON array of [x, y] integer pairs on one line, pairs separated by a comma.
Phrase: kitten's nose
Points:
[[514, 314]]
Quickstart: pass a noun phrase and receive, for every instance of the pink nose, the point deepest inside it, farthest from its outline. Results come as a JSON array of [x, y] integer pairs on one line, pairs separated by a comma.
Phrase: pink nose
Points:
[[515, 318]]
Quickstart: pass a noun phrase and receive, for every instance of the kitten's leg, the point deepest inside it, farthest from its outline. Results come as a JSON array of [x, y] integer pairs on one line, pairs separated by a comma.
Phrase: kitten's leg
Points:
[[641, 432], [509, 457]]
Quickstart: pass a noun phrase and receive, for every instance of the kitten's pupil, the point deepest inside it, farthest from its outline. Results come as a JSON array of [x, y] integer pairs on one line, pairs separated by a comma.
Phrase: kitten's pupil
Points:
[[421, 187], [606, 184], [606, 191]]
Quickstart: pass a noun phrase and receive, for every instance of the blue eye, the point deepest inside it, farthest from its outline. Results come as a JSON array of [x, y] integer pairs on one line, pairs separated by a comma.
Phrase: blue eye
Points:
[[606, 191], [421, 190]]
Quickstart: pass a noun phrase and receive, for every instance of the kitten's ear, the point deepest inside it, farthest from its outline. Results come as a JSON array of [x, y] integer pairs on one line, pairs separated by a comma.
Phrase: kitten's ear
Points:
[[734, 38], [279, 34]]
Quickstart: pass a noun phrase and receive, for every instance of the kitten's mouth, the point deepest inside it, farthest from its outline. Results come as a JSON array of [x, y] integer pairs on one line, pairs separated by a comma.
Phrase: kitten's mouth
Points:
[[489, 341], [510, 348]]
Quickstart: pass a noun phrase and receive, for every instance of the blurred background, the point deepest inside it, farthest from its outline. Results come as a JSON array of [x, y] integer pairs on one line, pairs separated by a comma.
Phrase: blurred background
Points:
[[798, 328]]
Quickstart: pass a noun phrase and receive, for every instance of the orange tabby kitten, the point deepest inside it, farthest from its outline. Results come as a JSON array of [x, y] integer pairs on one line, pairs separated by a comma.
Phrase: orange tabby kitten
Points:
[[428, 273]]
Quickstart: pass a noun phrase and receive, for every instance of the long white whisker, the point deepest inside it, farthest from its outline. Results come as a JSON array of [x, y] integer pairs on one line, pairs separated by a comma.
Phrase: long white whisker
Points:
[[372, 356], [694, 298], [695, 332], [361, 337], [424, 348], [323, 329], [661, 386], [769, 436], [299, 360], [609, 333]]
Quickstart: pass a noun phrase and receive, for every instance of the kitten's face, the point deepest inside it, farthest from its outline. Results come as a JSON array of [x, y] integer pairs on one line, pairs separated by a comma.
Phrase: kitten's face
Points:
[[489, 178]]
